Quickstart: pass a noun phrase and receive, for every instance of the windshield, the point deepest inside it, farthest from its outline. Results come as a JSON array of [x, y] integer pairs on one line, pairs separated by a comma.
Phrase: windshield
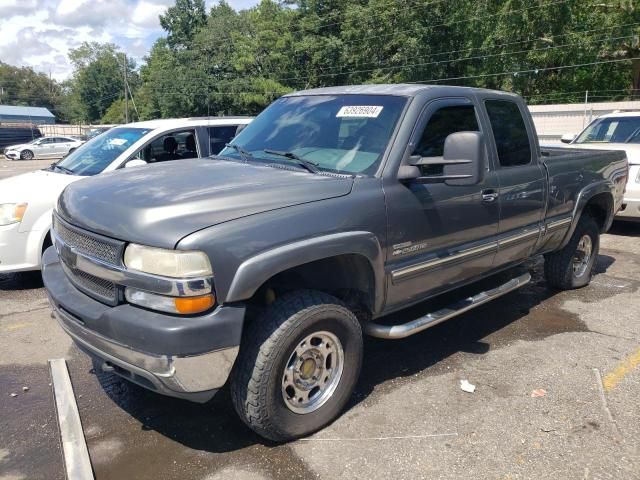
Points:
[[339, 133], [99, 152], [612, 130]]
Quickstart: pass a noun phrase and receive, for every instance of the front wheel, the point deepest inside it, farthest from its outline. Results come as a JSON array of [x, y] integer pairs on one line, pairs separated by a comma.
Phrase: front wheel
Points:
[[572, 267], [26, 155], [298, 365]]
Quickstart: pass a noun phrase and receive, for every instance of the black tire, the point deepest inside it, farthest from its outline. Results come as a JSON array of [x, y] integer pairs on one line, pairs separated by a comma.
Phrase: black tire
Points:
[[267, 346], [559, 266], [26, 155]]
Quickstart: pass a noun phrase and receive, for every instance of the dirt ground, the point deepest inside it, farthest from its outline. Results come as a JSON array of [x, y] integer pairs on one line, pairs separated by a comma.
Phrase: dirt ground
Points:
[[408, 418]]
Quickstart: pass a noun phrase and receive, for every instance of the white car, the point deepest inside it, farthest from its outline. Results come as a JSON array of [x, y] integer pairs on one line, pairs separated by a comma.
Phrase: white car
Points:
[[43, 148], [616, 131], [26, 201]]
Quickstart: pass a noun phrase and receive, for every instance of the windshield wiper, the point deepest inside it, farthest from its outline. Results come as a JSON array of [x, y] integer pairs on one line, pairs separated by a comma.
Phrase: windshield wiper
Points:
[[241, 151], [309, 165], [64, 169]]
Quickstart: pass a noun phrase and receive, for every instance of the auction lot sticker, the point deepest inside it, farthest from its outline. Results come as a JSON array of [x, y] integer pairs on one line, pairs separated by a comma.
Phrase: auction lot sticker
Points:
[[360, 111]]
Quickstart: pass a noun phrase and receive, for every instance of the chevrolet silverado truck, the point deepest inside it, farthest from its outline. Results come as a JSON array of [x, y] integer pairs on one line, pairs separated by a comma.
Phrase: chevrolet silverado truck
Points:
[[266, 264]]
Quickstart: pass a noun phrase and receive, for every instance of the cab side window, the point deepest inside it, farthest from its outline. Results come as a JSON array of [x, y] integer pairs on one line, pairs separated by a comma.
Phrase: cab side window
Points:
[[220, 136], [444, 122], [171, 146], [509, 133]]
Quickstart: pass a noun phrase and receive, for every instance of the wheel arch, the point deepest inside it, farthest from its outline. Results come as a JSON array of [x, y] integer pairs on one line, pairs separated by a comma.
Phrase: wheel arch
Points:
[[336, 262], [596, 200]]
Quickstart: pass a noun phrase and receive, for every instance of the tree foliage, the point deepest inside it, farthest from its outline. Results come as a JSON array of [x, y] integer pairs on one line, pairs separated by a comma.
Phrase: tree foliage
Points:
[[236, 62]]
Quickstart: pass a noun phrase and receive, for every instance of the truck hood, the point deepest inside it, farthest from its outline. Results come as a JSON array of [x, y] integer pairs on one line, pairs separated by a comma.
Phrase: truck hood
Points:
[[632, 150], [160, 204]]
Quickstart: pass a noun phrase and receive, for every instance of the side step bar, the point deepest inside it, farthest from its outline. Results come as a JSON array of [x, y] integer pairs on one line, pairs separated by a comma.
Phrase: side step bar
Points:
[[393, 332]]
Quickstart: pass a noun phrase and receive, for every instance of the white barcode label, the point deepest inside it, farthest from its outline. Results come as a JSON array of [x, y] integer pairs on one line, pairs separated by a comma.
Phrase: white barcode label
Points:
[[361, 111]]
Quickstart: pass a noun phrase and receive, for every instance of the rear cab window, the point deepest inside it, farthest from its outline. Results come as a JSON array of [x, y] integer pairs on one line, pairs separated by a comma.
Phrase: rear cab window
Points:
[[509, 133]]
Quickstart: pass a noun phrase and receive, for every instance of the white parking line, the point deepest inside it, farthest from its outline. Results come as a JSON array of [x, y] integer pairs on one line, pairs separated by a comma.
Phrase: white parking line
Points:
[[76, 455]]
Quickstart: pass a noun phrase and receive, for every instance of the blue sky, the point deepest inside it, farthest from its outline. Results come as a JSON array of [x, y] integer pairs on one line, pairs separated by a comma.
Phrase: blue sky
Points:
[[39, 33]]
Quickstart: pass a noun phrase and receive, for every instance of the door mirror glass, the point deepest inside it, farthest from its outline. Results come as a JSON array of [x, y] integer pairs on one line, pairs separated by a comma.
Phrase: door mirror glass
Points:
[[136, 162], [568, 137], [463, 162]]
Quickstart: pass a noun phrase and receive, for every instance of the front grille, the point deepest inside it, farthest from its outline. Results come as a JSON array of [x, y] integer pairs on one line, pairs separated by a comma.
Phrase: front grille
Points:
[[109, 251], [98, 288], [92, 245]]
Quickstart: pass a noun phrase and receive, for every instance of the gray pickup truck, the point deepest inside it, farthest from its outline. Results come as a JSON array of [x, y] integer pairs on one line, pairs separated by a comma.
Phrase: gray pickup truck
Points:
[[335, 207]]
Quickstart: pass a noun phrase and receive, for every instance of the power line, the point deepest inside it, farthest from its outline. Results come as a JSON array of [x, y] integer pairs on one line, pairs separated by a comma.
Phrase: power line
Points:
[[440, 25], [533, 70], [461, 59], [493, 47]]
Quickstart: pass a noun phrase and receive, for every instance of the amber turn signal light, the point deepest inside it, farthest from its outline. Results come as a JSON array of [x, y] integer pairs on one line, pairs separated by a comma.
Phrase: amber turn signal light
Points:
[[187, 305]]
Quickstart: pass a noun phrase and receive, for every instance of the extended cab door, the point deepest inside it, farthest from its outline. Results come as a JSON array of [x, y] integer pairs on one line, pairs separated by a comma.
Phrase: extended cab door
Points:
[[438, 234], [522, 190]]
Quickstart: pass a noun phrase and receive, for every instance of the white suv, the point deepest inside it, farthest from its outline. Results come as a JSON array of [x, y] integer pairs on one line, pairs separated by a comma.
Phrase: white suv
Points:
[[616, 131], [26, 201], [43, 148]]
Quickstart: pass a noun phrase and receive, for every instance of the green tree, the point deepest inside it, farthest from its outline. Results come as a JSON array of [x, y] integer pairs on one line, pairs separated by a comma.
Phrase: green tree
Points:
[[24, 86], [182, 21], [98, 78]]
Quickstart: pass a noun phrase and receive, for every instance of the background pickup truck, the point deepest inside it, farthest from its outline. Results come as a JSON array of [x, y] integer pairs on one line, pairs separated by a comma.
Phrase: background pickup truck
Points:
[[333, 208]]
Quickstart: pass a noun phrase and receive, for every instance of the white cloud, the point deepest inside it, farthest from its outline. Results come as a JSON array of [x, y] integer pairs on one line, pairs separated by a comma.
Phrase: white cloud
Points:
[[39, 33]]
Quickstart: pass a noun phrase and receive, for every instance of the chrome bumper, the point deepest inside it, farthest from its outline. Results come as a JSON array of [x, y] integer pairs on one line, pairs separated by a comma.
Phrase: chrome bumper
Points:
[[196, 378]]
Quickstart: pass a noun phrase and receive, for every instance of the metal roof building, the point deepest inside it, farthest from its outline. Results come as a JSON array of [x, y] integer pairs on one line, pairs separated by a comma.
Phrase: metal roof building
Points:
[[35, 115]]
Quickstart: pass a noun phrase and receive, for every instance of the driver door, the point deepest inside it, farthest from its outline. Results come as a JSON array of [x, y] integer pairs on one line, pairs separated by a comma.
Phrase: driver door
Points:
[[45, 149], [439, 235]]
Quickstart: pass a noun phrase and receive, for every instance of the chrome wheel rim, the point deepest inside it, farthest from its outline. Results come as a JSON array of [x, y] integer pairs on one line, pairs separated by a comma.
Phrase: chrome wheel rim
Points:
[[582, 256], [313, 372]]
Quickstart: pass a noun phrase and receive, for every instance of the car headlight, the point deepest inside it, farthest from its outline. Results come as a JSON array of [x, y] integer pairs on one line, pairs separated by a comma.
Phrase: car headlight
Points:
[[12, 212], [168, 263]]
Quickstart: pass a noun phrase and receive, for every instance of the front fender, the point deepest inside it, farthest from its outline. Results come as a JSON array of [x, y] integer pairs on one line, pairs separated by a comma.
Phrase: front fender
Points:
[[255, 271]]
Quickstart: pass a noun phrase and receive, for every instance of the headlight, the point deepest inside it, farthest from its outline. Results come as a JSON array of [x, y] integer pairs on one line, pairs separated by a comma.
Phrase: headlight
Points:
[[168, 263], [12, 212]]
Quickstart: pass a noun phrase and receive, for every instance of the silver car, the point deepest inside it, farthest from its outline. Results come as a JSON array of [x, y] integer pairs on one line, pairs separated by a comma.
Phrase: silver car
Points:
[[43, 148]]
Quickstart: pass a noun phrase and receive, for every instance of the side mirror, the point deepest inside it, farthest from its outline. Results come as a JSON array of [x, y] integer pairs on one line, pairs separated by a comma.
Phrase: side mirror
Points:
[[136, 162], [463, 162], [568, 137]]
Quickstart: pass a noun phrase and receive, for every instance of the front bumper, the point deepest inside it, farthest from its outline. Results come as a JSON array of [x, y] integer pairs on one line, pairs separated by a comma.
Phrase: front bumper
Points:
[[185, 357], [630, 210], [12, 154], [19, 251]]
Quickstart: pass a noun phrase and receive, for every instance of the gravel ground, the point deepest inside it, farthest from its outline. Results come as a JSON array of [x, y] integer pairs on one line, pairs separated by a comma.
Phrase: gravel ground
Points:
[[408, 418]]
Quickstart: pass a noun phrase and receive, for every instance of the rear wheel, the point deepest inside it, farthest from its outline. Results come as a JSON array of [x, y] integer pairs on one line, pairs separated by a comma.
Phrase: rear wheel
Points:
[[298, 365], [572, 267], [26, 155]]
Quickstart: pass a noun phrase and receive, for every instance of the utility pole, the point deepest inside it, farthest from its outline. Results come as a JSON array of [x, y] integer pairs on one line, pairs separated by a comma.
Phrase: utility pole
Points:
[[586, 103], [126, 99]]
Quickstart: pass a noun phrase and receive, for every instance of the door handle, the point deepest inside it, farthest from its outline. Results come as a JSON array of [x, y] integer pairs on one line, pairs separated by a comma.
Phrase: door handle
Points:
[[489, 196]]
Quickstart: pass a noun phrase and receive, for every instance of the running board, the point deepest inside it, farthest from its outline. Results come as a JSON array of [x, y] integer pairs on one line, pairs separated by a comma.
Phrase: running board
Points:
[[393, 332]]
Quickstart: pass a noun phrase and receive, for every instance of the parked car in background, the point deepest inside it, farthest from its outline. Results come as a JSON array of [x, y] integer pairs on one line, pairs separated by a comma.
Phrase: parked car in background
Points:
[[616, 131], [334, 208], [26, 200], [17, 135], [43, 148], [97, 131]]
